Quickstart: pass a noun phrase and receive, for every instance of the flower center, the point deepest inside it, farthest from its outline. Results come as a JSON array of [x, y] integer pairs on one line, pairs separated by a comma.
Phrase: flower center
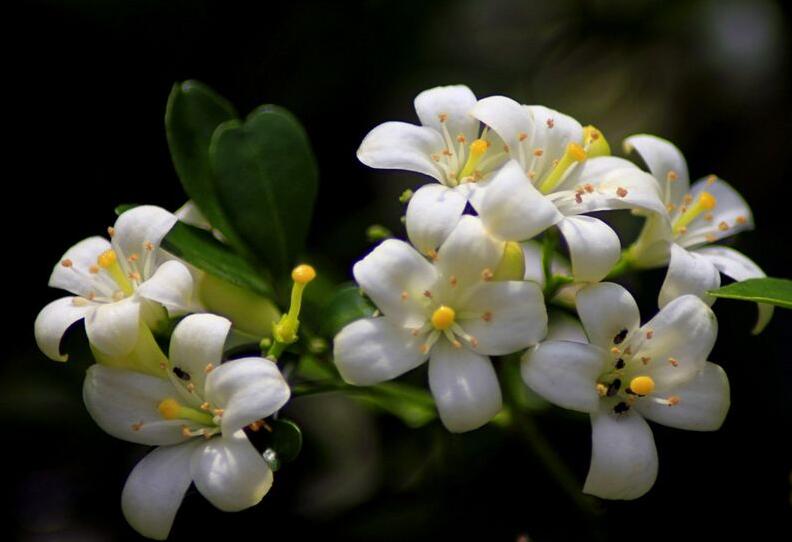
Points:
[[574, 153], [171, 409], [462, 162], [705, 202], [443, 318], [108, 260], [626, 382]]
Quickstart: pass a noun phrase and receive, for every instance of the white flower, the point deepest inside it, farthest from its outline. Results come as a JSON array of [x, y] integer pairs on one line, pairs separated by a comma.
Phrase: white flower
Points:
[[196, 416], [696, 216], [447, 147], [118, 284], [449, 311], [626, 372], [558, 171]]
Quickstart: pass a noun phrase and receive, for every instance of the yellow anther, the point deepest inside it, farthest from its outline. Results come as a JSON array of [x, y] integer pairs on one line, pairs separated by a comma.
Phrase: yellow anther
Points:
[[642, 385], [479, 147], [67, 263], [303, 274], [707, 200], [107, 258], [477, 150], [443, 318], [595, 143], [169, 408], [574, 154]]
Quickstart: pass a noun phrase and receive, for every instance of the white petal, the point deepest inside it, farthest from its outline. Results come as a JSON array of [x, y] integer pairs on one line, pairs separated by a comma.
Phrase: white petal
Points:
[[739, 267], [553, 131], [565, 373], [230, 473], [53, 321], [455, 103], [623, 188], [508, 119], [662, 157], [77, 278], [248, 389], [398, 145], [562, 326], [155, 489], [113, 327], [516, 317], [432, 213], [512, 208], [139, 226], [688, 273], [592, 170], [606, 310], [594, 247], [703, 402], [464, 386], [124, 404], [685, 331], [468, 251], [623, 456], [731, 215], [198, 341], [171, 285], [389, 271], [372, 350], [189, 213]]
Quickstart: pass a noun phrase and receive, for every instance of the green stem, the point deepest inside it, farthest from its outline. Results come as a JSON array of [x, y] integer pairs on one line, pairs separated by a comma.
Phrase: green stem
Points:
[[623, 266]]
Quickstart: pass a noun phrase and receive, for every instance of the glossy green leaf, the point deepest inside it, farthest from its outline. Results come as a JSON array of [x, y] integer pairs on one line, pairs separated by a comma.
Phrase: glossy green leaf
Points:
[[200, 248], [193, 113], [768, 290], [266, 180], [285, 439], [347, 305]]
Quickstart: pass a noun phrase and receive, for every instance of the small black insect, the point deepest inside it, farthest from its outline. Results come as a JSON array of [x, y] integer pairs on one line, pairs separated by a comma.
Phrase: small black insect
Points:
[[621, 408], [614, 387], [620, 363], [184, 375], [620, 336]]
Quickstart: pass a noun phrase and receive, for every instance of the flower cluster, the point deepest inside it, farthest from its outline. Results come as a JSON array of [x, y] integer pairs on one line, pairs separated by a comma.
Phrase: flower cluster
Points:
[[192, 332], [507, 173], [193, 404]]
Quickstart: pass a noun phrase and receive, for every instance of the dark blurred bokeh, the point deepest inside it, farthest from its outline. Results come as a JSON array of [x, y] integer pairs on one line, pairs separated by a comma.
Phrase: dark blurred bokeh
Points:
[[90, 79]]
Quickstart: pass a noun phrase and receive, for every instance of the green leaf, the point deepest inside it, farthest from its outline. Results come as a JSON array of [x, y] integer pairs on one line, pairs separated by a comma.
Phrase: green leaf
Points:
[[772, 291], [346, 306], [193, 113], [201, 249], [266, 183]]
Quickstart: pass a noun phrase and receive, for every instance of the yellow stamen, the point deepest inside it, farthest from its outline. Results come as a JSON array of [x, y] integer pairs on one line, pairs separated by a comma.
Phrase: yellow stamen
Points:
[[108, 260], [477, 150], [285, 331], [705, 202], [642, 385], [303, 274], [443, 318], [574, 154], [171, 409]]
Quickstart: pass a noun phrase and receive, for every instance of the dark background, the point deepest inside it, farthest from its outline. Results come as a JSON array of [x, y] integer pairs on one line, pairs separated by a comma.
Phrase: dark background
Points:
[[89, 81]]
